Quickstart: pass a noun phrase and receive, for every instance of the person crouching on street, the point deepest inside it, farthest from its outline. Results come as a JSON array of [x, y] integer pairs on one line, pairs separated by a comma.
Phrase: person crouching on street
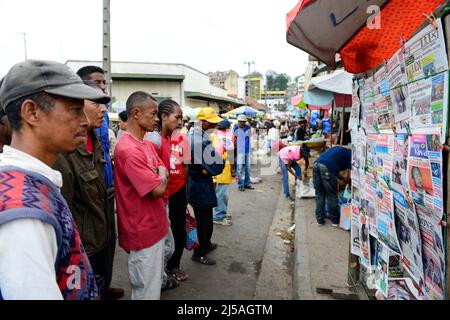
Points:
[[288, 158], [325, 178]]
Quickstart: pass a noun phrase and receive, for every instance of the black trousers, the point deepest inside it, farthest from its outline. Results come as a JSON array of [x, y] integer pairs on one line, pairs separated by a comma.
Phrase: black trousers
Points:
[[177, 216], [205, 228], [102, 265]]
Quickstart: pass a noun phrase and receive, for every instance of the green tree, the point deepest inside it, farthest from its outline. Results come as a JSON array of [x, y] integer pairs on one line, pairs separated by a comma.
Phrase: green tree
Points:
[[270, 81], [281, 82]]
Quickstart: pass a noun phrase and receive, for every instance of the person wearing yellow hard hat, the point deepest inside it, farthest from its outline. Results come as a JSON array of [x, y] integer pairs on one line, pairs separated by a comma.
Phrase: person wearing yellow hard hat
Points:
[[205, 164]]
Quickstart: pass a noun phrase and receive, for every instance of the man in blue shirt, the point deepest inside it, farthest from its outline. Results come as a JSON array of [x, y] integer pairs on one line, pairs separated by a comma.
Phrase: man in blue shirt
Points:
[[325, 176], [242, 133], [97, 75]]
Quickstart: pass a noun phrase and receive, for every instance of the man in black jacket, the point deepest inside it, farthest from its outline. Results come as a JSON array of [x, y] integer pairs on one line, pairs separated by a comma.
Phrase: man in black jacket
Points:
[[86, 194], [205, 164]]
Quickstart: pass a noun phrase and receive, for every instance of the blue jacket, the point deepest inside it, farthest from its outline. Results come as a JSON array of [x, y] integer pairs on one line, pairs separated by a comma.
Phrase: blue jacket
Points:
[[201, 193], [103, 135]]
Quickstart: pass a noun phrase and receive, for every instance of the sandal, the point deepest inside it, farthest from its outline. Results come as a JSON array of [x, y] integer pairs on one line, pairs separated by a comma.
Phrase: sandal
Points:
[[178, 274], [171, 283], [204, 260]]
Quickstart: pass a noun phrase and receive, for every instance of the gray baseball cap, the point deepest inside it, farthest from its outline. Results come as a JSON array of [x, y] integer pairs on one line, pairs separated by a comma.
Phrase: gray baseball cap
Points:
[[33, 76]]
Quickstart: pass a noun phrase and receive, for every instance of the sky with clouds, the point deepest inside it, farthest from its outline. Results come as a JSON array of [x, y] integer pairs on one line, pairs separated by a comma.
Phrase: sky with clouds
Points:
[[208, 35]]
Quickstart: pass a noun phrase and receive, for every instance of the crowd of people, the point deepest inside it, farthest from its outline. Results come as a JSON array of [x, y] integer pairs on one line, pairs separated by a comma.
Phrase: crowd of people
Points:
[[64, 175]]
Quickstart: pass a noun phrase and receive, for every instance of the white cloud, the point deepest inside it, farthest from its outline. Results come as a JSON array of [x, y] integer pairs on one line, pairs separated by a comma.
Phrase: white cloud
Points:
[[208, 35]]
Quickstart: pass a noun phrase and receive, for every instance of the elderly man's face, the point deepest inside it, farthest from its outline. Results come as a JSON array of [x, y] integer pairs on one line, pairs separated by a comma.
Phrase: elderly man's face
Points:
[[63, 128]]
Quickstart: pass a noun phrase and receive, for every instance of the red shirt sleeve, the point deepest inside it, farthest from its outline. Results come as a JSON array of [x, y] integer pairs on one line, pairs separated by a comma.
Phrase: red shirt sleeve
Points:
[[141, 175], [186, 159]]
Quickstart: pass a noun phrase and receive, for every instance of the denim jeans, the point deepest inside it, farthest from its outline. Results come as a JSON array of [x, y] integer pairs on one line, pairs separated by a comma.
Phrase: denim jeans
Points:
[[243, 160], [285, 175], [222, 192], [325, 183]]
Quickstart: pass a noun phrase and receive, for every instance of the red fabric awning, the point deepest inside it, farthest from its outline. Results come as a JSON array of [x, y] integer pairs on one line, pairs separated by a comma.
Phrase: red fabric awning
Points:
[[324, 28]]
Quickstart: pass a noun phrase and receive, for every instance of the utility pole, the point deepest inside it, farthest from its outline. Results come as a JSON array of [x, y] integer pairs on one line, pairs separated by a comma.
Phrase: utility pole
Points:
[[107, 43], [248, 63], [24, 43]]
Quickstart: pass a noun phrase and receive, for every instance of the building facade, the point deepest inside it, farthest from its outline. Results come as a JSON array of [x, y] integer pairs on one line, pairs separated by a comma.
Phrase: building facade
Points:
[[182, 83]]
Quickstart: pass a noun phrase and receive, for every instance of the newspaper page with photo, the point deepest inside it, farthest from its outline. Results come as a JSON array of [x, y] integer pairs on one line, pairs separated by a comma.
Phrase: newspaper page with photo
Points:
[[398, 89], [432, 253], [382, 269], [400, 164], [385, 157], [383, 105], [385, 220], [402, 289], [426, 187], [408, 231], [426, 67], [425, 171]]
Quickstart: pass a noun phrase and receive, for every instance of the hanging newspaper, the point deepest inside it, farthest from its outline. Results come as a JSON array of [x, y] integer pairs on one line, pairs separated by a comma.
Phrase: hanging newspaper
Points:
[[425, 171], [385, 157], [359, 142], [432, 252], [426, 67], [354, 232], [364, 241], [353, 122], [382, 269], [383, 105], [409, 236], [368, 104], [400, 165], [371, 183], [402, 289], [385, 220], [398, 89]]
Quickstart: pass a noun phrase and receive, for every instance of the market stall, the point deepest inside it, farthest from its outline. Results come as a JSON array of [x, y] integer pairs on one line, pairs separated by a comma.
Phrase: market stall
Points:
[[399, 132]]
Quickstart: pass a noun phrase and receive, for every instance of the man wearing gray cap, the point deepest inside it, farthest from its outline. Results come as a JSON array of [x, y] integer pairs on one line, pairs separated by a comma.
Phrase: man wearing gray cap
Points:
[[41, 254]]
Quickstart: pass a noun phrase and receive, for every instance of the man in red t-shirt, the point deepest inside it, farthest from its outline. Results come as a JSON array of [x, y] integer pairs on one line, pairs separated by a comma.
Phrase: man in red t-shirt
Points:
[[141, 182]]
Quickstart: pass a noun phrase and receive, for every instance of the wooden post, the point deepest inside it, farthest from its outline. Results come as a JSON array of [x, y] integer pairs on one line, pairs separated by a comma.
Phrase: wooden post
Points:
[[342, 126]]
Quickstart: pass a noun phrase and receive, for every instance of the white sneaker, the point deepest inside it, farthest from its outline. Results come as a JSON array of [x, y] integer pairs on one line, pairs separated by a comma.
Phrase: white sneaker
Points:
[[224, 222], [335, 225]]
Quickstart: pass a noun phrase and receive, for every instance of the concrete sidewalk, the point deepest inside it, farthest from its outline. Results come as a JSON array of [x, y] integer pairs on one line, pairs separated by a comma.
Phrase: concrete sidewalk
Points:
[[321, 257]]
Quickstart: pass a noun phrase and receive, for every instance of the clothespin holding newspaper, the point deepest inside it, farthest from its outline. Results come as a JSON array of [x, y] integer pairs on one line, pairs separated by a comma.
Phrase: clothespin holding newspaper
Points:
[[431, 19], [402, 44], [394, 129], [408, 129], [442, 223], [386, 71]]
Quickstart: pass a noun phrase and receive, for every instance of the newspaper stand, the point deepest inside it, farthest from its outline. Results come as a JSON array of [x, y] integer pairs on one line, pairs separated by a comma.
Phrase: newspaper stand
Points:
[[359, 276]]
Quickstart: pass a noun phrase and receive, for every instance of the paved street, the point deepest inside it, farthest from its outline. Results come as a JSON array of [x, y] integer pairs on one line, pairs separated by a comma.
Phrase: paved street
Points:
[[239, 254]]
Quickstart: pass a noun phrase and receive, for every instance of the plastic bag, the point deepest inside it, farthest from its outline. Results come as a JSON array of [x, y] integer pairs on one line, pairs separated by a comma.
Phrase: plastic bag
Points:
[[304, 191], [191, 232]]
